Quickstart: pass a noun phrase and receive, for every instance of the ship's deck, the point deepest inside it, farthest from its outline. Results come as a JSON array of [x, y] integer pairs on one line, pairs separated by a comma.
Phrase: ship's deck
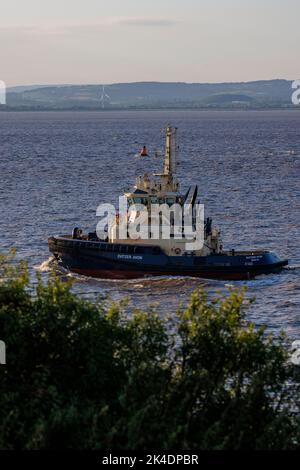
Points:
[[104, 245]]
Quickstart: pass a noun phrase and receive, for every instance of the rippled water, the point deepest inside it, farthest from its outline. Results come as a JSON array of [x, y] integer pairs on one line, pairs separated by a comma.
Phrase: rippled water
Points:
[[55, 168]]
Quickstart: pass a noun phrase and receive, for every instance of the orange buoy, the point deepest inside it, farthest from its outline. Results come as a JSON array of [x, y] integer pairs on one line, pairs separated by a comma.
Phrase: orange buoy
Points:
[[144, 152]]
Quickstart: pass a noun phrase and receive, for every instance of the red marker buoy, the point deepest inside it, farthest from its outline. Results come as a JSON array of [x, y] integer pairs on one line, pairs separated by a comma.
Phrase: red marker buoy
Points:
[[144, 152]]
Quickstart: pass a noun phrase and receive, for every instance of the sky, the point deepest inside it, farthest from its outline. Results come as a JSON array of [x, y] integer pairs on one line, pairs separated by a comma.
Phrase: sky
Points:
[[96, 41]]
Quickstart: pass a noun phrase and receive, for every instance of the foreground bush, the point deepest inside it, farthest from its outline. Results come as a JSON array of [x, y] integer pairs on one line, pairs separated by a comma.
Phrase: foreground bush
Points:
[[82, 375]]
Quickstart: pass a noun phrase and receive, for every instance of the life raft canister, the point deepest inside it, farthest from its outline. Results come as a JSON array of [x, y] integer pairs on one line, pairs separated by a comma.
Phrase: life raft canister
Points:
[[144, 152]]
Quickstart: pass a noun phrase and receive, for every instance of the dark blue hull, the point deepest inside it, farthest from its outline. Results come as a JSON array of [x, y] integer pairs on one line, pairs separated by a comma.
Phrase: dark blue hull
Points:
[[119, 261]]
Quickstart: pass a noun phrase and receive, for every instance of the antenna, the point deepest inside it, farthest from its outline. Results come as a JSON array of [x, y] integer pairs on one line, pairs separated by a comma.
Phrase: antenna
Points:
[[104, 97], [175, 149]]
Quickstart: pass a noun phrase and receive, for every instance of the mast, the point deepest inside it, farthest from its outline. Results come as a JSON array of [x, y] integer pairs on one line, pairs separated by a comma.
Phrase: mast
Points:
[[167, 181], [170, 160], [168, 165]]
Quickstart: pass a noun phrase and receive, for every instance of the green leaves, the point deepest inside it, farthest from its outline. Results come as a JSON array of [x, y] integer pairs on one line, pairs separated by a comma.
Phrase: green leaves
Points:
[[87, 375]]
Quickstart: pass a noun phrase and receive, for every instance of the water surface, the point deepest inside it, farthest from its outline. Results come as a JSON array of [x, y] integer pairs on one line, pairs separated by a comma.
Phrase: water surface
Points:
[[55, 168]]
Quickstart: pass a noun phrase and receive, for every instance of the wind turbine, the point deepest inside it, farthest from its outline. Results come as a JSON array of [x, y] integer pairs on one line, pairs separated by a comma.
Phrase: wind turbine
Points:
[[104, 97]]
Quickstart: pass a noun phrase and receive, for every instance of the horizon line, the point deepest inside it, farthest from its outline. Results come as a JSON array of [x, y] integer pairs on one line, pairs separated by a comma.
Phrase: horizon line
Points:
[[149, 81]]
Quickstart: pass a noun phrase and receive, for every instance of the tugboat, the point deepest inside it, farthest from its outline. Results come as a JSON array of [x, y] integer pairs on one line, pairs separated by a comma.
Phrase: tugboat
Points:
[[112, 254]]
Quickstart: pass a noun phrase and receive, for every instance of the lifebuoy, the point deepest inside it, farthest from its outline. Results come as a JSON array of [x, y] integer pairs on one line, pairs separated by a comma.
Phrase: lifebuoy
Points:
[[178, 251]]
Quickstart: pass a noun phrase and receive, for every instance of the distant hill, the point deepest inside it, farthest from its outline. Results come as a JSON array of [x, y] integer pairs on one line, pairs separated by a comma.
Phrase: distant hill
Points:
[[147, 95], [21, 88]]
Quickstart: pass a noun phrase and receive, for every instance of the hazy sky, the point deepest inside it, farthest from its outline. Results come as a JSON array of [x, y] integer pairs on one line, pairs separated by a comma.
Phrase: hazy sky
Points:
[[96, 41]]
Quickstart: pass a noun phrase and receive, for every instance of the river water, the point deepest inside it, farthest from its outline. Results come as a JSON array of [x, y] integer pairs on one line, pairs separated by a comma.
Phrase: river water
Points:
[[56, 167]]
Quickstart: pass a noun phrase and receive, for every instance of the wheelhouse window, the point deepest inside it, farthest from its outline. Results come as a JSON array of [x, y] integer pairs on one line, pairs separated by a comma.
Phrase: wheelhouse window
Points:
[[170, 201]]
